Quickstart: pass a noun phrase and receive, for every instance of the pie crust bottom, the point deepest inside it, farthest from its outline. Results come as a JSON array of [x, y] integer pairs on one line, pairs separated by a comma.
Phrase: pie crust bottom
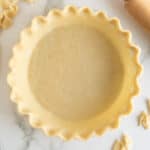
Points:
[[75, 72]]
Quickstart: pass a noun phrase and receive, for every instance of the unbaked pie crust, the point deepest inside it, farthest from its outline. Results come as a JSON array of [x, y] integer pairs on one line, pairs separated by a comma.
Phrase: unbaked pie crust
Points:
[[74, 72]]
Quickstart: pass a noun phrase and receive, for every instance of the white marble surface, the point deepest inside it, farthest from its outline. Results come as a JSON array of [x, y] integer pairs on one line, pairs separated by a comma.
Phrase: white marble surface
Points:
[[15, 132]]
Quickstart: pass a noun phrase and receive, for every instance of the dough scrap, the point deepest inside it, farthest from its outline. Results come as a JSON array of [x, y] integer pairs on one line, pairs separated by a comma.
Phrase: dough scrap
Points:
[[144, 117], [122, 144], [9, 11], [144, 120]]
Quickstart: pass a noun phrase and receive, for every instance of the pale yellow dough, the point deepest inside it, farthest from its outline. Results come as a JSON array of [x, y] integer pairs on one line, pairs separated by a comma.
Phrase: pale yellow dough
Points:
[[74, 72], [144, 117], [144, 120], [8, 10], [123, 144]]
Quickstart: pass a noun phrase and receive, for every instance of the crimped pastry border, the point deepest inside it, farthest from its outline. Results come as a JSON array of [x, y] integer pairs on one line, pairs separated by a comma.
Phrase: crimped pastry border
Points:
[[37, 23]]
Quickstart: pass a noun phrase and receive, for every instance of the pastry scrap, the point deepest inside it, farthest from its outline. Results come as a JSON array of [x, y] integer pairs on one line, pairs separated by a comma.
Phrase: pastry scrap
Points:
[[144, 120], [122, 144], [144, 117], [9, 10]]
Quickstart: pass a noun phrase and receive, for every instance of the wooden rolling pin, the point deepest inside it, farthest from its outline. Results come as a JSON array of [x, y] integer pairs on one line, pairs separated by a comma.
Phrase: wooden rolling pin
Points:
[[140, 10]]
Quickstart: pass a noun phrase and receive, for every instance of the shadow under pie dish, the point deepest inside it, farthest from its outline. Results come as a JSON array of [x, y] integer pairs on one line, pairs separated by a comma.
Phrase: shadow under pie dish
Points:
[[74, 72]]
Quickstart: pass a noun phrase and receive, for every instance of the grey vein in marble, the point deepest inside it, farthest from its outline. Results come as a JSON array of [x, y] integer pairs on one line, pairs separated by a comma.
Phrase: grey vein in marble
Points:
[[26, 129]]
